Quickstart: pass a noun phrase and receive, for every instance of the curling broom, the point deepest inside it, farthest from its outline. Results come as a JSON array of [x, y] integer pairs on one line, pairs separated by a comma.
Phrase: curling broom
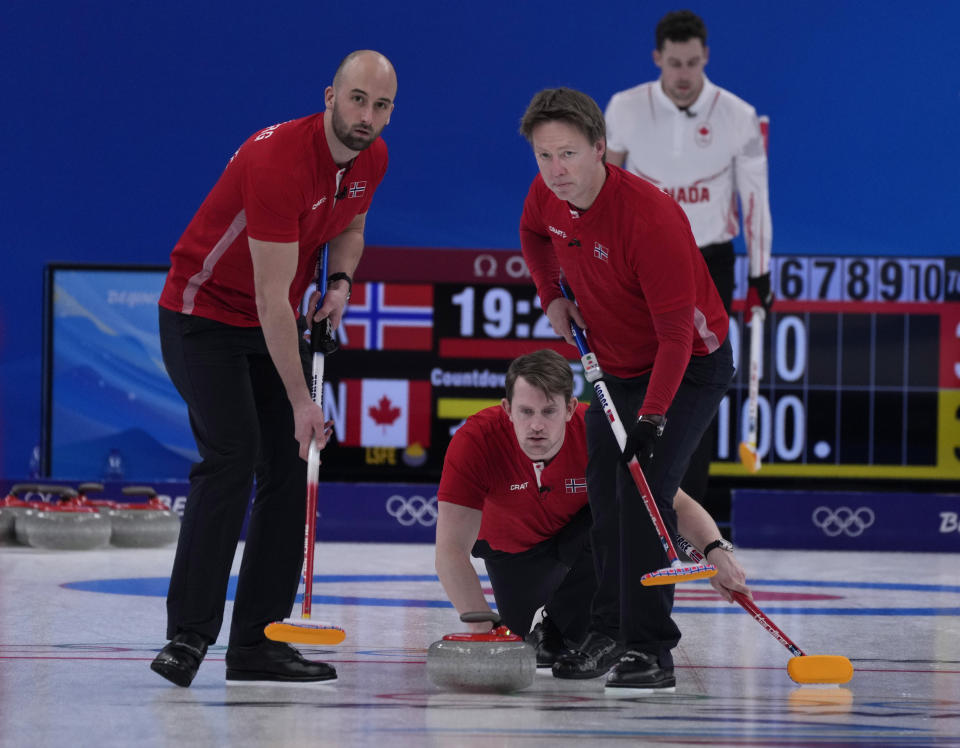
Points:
[[304, 630], [802, 668], [748, 447]]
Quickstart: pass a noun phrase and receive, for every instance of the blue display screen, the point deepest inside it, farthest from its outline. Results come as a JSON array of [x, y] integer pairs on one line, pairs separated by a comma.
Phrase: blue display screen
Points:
[[112, 411]]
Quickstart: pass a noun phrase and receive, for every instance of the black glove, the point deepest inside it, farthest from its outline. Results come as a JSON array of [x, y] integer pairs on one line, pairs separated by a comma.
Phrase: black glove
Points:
[[321, 337], [641, 441], [758, 293]]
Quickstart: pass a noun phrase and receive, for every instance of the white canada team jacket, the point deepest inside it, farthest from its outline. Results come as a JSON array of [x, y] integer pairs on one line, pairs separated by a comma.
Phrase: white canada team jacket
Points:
[[703, 161]]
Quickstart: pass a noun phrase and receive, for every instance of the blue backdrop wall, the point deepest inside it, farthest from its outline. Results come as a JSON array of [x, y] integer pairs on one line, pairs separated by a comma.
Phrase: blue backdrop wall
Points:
[[119, 116]]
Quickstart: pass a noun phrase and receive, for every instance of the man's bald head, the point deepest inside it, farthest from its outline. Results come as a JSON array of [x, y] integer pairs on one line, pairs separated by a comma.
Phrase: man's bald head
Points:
[[365, 63], [360, 100]]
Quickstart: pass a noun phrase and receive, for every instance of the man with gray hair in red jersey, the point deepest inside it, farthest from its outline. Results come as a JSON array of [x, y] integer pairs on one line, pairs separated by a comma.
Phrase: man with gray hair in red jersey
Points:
[[230, 332], [659, 331]]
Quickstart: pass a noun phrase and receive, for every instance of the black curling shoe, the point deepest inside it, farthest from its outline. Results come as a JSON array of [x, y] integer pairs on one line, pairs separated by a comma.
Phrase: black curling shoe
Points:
[[547, 640], [274, 662], [591, 659], [179, 660], [641, 671]]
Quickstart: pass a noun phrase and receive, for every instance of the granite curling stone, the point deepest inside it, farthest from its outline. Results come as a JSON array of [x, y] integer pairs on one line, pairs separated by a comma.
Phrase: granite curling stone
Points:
[[66, 527], [494, 662], [144, 525], [41, 497], [12, 505]]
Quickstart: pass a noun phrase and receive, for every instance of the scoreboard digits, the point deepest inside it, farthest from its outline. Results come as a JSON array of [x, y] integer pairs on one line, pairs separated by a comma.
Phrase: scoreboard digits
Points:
[[882, 279]]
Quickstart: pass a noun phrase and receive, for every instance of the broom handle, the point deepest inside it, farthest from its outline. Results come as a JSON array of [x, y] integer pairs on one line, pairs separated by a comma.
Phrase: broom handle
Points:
[[756, 362], [745, 602], [313, 456], [594, 374]]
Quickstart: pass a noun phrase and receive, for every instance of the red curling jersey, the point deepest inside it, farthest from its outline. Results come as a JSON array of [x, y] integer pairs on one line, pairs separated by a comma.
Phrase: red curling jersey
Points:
[[281, 185], [485, 469], [640, 280]]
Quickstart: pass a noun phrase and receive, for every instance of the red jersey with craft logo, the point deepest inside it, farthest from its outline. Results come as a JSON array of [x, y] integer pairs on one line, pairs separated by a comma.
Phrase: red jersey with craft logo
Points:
[[281, 185], [485, 469]]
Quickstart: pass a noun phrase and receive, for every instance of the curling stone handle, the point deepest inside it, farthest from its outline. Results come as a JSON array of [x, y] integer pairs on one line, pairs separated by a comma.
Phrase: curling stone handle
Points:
[[147, 491], [480, 616], [65, 493]]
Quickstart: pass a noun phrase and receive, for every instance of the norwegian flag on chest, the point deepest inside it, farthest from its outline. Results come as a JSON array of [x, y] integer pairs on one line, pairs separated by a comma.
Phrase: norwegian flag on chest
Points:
[[389, 316], [575, 485], [356, 189]]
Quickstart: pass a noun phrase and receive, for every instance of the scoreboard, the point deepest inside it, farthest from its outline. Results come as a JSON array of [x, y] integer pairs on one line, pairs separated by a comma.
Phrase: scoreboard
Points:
[[862, 371], [861, 375]]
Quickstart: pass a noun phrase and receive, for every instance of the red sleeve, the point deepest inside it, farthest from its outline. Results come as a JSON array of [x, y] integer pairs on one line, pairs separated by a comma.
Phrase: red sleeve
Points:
[[674, 346], [667, 278], [538, 250], [464, 480]]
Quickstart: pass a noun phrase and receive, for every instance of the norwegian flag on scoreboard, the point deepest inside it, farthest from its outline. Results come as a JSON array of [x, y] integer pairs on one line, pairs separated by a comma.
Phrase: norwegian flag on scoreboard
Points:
[[383, 413], [389, 316]]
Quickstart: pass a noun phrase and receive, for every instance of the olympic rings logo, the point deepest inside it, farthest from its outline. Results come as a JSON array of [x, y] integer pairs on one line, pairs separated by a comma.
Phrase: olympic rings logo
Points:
[[415, 510], [34, 497], [486, 266], [844, 520]]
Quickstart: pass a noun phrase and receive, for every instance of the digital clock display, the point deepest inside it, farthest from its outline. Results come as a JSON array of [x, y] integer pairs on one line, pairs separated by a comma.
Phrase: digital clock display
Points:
[[496, 312]]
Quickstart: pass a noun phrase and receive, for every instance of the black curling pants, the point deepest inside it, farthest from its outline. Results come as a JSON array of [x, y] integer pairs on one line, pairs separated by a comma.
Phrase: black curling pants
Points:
[[243, 425], [720, 263], [557, 573], [625, 542]]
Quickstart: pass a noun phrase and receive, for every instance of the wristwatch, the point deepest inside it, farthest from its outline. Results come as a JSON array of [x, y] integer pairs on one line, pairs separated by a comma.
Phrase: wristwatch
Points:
[[342, 276], [657, 420], [723, 545]]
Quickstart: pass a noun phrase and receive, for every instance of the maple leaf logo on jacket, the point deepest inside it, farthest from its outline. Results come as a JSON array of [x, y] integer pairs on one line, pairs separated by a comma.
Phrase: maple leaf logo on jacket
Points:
[[384, 414]]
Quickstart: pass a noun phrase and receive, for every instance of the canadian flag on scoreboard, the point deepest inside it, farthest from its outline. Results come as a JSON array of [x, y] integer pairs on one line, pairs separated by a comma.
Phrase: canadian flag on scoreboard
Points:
[[389, 316], [383, 413]]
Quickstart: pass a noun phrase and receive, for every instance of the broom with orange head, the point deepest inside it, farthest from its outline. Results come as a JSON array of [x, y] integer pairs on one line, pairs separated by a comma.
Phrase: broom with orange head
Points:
[[748, 447], [305, 630], [802, 668]]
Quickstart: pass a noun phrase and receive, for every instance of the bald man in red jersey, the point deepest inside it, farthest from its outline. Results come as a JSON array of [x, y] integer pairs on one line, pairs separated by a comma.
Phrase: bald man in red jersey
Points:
[[230, 336]]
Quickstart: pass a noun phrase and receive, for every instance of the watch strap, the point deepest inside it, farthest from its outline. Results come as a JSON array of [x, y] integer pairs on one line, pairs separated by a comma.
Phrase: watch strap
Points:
[[718, 543], [342, 276]]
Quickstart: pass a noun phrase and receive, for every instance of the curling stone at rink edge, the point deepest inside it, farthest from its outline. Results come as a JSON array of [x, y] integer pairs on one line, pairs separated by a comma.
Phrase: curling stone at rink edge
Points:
[[66, 527], [148, 524], [12, 505]]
